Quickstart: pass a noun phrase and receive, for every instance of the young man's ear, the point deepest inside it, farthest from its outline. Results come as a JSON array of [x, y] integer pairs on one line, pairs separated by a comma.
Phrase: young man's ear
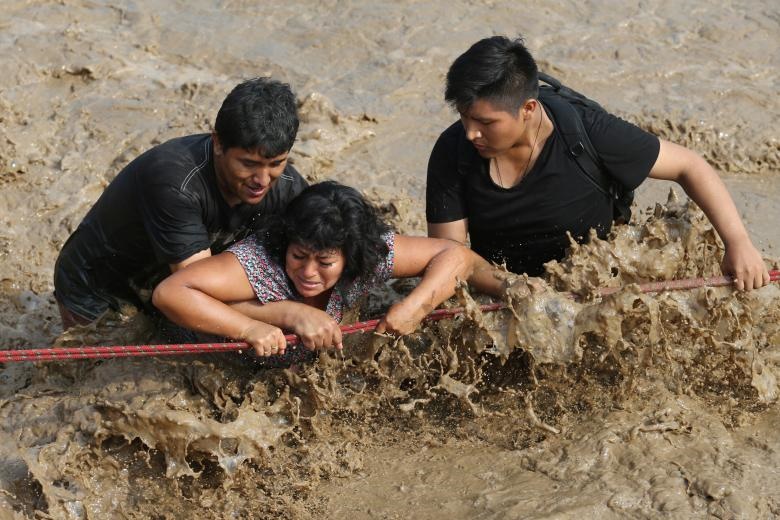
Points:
[[217, 144], [528, 108]]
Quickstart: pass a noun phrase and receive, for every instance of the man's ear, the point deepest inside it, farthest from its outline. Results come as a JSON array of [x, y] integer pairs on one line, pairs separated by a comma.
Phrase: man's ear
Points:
[[528, 108], [217, 145]]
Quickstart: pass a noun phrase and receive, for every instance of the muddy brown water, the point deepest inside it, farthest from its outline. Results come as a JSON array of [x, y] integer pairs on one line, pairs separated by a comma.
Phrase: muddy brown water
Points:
[[634, 406]]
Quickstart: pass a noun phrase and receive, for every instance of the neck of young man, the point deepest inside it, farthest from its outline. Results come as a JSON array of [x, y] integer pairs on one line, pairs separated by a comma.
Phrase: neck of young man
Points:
[[537, 129], [518, 160]]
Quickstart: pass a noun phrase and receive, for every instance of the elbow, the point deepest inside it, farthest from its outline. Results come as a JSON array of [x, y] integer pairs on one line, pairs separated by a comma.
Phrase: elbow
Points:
[[466, 260], [692, 169], [160, 296]]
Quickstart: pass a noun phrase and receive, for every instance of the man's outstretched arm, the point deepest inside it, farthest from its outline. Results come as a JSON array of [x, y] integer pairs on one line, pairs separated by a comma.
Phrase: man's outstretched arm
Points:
[[703, 185]]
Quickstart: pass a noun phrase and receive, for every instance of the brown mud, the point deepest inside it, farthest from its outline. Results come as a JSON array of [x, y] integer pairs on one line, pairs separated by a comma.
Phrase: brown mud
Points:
[[628, 406]]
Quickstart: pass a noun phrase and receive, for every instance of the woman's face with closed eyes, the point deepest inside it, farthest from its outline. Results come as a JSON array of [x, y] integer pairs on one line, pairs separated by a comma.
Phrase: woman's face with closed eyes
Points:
[[313, 272]]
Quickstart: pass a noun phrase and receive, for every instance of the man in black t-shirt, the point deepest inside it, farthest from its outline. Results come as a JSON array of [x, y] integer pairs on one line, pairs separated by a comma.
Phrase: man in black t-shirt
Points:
[[504, 177], [181, 201]]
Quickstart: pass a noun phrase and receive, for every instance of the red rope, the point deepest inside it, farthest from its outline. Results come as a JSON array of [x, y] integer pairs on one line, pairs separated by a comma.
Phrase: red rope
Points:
[[61, 353]]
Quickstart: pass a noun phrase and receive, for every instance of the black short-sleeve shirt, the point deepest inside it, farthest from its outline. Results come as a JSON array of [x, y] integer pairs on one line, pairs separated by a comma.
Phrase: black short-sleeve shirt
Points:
[[162, 208], [526, 225]]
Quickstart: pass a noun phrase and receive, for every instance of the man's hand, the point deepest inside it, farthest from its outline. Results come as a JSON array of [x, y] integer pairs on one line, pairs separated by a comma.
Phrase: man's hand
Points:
[[317, 329], [743, 262], [266, 339]]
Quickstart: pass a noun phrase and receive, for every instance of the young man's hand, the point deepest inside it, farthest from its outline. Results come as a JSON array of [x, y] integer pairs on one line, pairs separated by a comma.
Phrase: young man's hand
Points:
[[743, 262]]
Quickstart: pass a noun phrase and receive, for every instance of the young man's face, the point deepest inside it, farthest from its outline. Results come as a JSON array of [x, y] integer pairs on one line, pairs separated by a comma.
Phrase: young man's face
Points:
[[492, 130], [245, 175]]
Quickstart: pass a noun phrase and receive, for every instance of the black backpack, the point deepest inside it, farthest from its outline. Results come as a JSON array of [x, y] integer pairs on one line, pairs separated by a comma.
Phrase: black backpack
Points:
[[559, 100]]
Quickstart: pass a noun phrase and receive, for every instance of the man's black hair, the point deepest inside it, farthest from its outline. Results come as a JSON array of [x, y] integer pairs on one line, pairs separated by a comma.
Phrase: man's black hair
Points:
[[326, 216], [259, 114], [495, 69]]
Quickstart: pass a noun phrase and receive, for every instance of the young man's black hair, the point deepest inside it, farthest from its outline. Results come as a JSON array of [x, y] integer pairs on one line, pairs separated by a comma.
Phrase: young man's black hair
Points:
[[259, 114], [495, 69]]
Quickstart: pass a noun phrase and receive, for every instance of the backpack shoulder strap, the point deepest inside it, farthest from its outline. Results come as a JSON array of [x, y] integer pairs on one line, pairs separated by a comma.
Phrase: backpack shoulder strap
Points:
[[570, 126]]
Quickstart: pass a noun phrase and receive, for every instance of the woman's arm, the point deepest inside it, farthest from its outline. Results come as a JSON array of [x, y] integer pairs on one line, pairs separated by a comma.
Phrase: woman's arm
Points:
[[441, 263], [702, 184], [193, 297], [314, 327]]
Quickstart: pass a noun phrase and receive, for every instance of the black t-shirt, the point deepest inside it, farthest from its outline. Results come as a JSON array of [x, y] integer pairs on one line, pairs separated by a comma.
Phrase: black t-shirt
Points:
[[160, 209], [525, 225]]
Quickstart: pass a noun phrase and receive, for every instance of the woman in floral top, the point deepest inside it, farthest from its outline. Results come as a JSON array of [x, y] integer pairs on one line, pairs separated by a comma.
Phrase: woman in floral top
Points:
[[299, 274]]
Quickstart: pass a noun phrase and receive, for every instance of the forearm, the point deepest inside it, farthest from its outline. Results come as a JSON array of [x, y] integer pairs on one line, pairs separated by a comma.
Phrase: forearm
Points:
[[485, 277], [703, 185], [201, 312], [439, 279], [282, 314]]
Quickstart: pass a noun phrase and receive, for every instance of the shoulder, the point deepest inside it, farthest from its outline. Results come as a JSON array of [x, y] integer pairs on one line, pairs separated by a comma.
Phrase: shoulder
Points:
[[184, 152], [251, 253], [266, 276], [353, 290], [626, 151], [614, 135], [289, 184], [610, 134], [174, 163], [386, 269], [452, 150], [602, 122], [452, 136], [292, 176]]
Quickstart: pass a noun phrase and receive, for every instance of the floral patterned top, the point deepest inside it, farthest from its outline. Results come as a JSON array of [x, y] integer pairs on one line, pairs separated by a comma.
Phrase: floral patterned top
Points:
[[271, 284]]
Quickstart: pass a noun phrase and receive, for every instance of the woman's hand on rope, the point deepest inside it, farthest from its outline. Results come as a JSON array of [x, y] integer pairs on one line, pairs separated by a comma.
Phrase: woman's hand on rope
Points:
[[266, 339], [317, 329], [402, 318]]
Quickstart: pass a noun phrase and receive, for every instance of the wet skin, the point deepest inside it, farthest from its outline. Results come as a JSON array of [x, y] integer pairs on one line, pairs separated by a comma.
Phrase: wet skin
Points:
[[245, 176], [314, 273], [492, 130]]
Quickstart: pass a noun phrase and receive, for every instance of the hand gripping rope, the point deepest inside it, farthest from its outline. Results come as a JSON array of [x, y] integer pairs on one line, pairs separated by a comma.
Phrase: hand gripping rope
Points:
[[52, 354]]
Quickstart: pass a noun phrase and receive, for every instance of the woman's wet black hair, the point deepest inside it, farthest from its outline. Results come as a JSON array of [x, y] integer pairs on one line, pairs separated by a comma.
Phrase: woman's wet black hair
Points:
[[495, 69], [325, 216], [259, 114]]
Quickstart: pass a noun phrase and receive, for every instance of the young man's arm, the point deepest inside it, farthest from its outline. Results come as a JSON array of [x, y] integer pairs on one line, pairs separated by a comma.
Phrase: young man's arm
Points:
[[441, 264], [456, 230], [187, 261], [703, 185]]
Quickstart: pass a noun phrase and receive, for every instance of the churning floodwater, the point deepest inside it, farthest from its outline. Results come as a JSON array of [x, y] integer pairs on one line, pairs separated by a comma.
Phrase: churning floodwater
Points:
[[628, 406]]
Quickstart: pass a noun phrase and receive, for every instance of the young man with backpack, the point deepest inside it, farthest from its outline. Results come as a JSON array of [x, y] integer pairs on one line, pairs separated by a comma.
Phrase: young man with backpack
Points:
[[526, 165]]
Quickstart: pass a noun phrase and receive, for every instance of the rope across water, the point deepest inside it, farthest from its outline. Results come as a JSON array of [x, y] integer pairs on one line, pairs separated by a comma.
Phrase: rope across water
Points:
[[66, 353]]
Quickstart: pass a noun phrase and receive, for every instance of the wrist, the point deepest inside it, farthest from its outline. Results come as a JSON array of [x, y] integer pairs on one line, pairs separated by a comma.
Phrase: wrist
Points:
[[292, 314], [246, 329], [736, 240]]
